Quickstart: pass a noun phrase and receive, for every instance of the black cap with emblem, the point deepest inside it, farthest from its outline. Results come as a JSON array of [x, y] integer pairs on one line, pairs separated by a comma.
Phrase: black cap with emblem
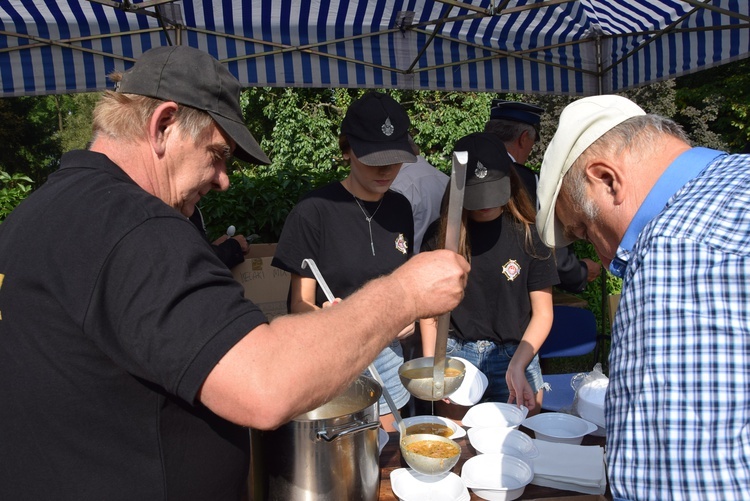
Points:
[[487, 173], [377, 128]]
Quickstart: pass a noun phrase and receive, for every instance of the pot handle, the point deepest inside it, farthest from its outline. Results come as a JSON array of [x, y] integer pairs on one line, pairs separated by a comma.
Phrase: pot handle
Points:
[[329, 435]]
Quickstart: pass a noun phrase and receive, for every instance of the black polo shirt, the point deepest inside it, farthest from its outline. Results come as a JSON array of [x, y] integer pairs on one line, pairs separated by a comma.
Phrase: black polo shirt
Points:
[[114, 311]]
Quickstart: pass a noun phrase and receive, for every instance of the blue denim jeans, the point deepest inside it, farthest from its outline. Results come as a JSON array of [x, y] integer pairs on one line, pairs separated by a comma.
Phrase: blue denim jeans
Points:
[[387, 363], [492, 359]]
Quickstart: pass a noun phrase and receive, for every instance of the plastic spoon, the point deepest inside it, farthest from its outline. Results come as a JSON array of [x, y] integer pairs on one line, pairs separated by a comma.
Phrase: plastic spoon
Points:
[[375, 374]]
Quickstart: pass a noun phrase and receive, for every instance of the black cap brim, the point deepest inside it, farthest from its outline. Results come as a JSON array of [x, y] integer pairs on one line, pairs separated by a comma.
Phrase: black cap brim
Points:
[[487, 195], [382, 153], [247, 148]]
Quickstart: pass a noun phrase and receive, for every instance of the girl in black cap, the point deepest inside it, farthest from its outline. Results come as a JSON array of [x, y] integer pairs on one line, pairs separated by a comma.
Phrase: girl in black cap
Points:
[[506, 313], [356, 229]]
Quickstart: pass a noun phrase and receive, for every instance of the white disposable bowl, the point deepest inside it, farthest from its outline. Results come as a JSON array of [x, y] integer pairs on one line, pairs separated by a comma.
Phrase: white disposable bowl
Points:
[[410, 485], [472, 387], [497, 477], [497, 440], [458, 432], [559, 427], [493, 414]]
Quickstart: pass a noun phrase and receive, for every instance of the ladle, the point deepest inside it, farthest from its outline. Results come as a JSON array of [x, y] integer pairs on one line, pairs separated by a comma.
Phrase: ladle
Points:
[[452, 233], [375, 374]]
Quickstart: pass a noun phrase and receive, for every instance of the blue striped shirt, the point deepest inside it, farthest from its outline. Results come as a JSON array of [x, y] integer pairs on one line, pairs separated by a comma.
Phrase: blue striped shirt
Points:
[[678, 403]]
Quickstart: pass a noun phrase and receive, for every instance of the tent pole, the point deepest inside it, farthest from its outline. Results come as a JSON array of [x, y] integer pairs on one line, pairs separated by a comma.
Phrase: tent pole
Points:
[[598, 41]]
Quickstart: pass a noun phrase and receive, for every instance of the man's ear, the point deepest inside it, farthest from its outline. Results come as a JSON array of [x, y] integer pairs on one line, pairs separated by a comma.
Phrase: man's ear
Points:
[[159, 126], [607, 176]]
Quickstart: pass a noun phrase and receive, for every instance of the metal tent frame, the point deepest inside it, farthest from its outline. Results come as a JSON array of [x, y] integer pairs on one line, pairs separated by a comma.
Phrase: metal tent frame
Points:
[[575, 47]]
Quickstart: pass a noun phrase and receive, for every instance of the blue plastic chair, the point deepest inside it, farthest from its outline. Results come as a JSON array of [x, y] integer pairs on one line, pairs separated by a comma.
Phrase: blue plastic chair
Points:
[[573, 334]]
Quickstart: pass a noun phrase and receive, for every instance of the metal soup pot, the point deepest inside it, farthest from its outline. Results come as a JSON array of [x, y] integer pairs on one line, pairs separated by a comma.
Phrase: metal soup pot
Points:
[[328, 453]]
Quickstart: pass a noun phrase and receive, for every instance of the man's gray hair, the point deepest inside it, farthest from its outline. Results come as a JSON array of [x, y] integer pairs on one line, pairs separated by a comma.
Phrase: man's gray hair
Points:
[[640, 133], [509, 130]]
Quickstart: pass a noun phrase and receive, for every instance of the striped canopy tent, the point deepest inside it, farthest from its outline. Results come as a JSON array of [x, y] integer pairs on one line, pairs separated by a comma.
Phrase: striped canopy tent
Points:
[[575, 47]]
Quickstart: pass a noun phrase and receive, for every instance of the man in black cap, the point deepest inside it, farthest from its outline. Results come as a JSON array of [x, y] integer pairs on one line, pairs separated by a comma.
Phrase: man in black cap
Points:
[[517, 125], [130, 362]]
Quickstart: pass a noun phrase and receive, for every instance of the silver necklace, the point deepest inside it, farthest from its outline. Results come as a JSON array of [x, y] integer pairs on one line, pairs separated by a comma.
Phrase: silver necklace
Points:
[[368, 218]]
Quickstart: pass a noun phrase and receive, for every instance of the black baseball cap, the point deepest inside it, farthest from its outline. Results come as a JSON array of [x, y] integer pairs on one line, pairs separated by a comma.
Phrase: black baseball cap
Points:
[[194, 78], [487, 173], [377, 128], [516, 111]]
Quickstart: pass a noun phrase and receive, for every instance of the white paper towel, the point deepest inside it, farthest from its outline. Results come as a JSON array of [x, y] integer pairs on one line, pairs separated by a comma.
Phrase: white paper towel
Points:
[[578, 468]]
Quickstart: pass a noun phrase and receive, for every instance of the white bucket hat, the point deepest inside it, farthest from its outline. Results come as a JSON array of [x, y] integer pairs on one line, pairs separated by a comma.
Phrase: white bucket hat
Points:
[[581, 124]]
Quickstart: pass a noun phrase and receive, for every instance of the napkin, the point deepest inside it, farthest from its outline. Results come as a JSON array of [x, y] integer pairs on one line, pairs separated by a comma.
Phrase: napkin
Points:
[[578, 468]]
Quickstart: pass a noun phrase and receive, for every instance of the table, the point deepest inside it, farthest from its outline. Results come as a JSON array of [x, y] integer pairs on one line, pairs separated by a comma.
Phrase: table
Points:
[[390, 459]]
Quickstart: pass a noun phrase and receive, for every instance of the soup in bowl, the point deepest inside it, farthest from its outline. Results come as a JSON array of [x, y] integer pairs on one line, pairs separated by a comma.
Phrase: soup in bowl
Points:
[[430, 454]]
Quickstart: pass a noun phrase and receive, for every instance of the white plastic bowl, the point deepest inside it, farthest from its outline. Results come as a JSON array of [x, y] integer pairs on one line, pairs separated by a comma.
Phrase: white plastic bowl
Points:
[[559, 427], [494, 414], [502, 440], [497, 477], [472, 387], [409, 485], [458, 432]]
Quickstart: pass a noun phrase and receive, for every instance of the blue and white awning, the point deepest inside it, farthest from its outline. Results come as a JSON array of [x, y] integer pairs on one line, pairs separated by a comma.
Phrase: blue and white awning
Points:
[[578, 47]]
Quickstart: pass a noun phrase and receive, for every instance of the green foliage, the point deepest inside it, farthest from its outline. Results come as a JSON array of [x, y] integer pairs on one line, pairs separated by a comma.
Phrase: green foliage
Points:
[[299, 131], [75, 133], [439, 119], [14, 189], [723, 95], [258, 201], [28, 133]]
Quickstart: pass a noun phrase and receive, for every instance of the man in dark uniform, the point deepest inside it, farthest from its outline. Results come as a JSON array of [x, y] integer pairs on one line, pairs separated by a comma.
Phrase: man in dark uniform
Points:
[[517, 125]]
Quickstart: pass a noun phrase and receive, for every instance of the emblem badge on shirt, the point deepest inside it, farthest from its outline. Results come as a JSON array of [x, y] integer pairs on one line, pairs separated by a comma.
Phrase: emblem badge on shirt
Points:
[[401, 245], [387, 127], [511, 269], [480, 171]]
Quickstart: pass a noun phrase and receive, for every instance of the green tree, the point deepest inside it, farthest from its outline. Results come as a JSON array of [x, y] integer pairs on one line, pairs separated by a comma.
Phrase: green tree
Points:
[[439, 119], [29, 129], [76, 129], [721, 95], [299, 130], [14, 188]]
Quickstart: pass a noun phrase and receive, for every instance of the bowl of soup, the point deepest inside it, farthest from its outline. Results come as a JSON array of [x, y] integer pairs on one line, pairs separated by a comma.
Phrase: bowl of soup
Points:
[[430, 454], [417, 377], [433, 425]]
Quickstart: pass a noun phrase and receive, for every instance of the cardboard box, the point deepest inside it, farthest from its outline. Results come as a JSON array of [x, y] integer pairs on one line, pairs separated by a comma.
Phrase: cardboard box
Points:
[[264, 285]]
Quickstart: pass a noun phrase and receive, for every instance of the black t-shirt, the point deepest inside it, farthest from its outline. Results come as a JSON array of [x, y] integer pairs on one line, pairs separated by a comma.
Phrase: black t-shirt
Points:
[[496, 304], [329, 227], [114, 311]]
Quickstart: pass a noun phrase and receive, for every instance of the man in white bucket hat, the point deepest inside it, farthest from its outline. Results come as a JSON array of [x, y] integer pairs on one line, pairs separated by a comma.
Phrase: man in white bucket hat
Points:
[[674, 222]]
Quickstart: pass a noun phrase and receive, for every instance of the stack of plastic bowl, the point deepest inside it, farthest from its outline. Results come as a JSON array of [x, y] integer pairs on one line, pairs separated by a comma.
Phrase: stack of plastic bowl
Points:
[[497, 477]]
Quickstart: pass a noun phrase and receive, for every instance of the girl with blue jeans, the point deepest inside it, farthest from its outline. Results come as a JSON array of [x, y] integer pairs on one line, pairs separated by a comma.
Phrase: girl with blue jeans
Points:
[[506, 313]]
